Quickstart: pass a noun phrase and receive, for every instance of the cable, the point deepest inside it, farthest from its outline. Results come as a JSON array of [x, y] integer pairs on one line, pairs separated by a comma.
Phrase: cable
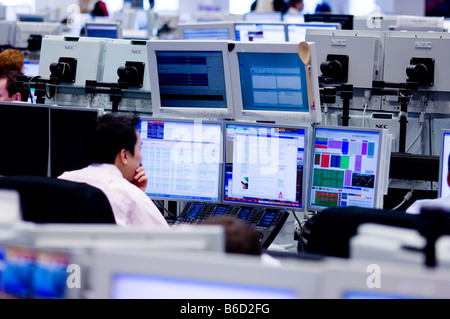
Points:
[[161, 206], [422, 120], [366, 99], [406, 198]]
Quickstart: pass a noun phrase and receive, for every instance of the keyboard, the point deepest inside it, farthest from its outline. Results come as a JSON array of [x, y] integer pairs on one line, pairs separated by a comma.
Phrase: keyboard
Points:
[[266, 221]]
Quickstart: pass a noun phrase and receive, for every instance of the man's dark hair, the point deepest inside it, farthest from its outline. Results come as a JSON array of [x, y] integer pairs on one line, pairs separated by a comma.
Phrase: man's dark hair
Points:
[[10, 77], [240, 238], [111, 133]]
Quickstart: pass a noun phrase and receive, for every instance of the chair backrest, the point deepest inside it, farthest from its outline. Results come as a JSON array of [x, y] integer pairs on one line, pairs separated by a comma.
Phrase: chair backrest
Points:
[[52, 200], [328, 233]]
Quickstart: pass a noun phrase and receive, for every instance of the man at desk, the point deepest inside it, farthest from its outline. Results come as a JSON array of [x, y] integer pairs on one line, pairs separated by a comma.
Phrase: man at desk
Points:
[[114, 151]]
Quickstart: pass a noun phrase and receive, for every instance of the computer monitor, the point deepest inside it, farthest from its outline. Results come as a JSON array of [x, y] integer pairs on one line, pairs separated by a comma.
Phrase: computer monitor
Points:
[[266, 164], [444, 188], [147, 275], [183, 158], [7, 33], [24, 30], [30, 273], [26, 152], [133, 19], [297, 32], [346, 20], [349, 167], [270, 83], [68, 137], [260, 31], [76, 49], [447, 24], [32, 17], [121, 53], [88, 237], [206, 31], [375, 22], [359, 54], [111, 30], [418, 57], [366, 279], [263, 16], [190, 79]]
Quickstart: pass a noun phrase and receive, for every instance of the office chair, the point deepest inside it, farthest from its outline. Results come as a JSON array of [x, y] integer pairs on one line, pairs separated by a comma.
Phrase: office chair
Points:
[[328, 232], [52, 200]]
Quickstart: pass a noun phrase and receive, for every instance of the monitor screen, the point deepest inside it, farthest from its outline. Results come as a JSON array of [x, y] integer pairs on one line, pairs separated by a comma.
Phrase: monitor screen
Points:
[[257, 32], [297, 32], [346, 167], [190, 79], [271, 84], [68, 135], [346, 20], [207, 34], [34, 273], [182, 158], [103, 30], [138, 286], [31, 17], [263, 16], [31, 68], [444, 188], [27, 153], [265, 164], [206, 31]]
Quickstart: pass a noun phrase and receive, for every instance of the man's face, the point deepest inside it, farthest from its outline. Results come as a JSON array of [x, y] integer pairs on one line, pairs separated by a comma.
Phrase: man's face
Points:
[[134, 160]]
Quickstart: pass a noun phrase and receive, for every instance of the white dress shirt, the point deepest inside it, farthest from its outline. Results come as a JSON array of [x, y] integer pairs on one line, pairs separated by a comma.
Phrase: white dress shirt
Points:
[[130, 205], [440, 203]]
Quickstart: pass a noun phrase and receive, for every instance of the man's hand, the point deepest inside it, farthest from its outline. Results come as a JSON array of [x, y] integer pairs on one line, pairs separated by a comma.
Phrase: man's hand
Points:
[[140, 179]]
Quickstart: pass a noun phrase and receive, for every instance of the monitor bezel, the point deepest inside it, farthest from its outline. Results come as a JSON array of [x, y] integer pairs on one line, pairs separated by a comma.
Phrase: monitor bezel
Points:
[[221, 160], [306, 165], [381, 171], [443, 164], [189, 112], [299, 118]]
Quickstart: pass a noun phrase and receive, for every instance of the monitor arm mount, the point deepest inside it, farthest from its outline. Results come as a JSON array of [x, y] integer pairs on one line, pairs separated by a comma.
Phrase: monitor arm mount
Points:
[[404, 92], [334, 78], [130, 75], [62, 71], [420, 72]]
